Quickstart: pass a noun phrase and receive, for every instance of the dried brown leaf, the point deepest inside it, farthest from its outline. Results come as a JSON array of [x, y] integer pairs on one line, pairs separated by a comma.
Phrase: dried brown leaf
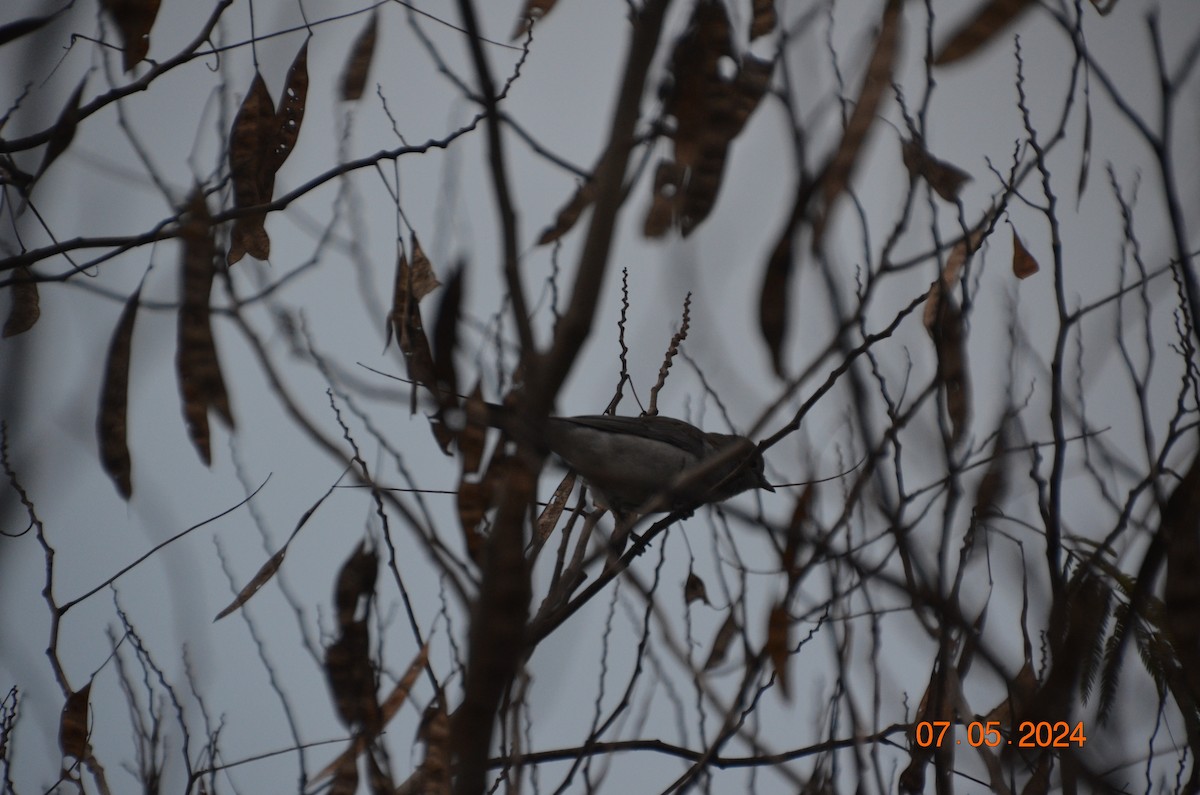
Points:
[[358, 65], [134, 20], [251, 144], [989, 21], [694, 590], [949, 337], [778, 648], [774, 300], [73, 724], [111, 421], [64, 129], [399, 694], [26, 305], [945, 179], [862, 118], [290, 114], [412, 284], [264, 575], [710, 109], [1024, 265], [763, 18], [200, 382], [962, 250], [720, 644], [583, 197], [434, 731], [531, 13]]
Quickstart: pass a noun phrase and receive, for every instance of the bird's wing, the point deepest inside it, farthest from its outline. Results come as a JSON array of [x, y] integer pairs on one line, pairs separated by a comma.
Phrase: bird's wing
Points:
[[667, 430]]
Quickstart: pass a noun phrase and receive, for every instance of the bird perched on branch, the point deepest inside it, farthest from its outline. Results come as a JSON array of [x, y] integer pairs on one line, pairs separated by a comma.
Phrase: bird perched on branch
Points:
[[629, 461]]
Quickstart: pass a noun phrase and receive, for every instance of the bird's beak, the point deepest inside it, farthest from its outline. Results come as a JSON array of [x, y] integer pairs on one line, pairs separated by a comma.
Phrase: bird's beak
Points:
[[765, 484]]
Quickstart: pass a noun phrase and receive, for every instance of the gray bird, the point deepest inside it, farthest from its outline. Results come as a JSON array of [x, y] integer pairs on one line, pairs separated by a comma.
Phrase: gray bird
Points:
[[629, 460]]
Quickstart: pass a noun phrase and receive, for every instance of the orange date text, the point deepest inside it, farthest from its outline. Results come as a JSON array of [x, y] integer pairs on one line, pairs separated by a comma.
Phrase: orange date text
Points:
[[1029, 734]]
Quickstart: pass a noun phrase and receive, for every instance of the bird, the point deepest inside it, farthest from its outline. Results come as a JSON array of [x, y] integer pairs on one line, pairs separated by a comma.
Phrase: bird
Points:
[[629, 461]]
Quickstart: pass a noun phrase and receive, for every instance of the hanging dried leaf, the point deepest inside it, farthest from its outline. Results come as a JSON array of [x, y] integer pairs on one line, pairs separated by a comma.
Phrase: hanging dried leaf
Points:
[[73, 724], [290, 114], [583, 197], [531, 13], [763, 18], [64, 129], [945, 179], [710, 108], [774, 298], [695, 591], [411, 285], [352, 677], [779, 647], [345, 779], [26, 305], [445, 341], [949, 338], [395, 699], [962, 250], [251, 143], [720, 645], [354, 73], [264, 575], [434, 731], [1024, 265], [200, 382], [23, 27], [111, 424], [355, 583], [988, 22], [388, 710], [134, 20], [862, 118], [548, 519]]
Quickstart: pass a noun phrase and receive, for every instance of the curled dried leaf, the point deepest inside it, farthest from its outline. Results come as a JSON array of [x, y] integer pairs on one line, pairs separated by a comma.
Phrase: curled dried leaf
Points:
[[774, 300], [583, 197], [351, 677], [354, 74], [26, 305], [1024, 265], [134, 20], [200, 382], [355, 582], [991, 20], [64, 129], [720, 645], [779, 625], [445, 341], [251, 143], [866, 109], [473, 435], [111, 421]]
